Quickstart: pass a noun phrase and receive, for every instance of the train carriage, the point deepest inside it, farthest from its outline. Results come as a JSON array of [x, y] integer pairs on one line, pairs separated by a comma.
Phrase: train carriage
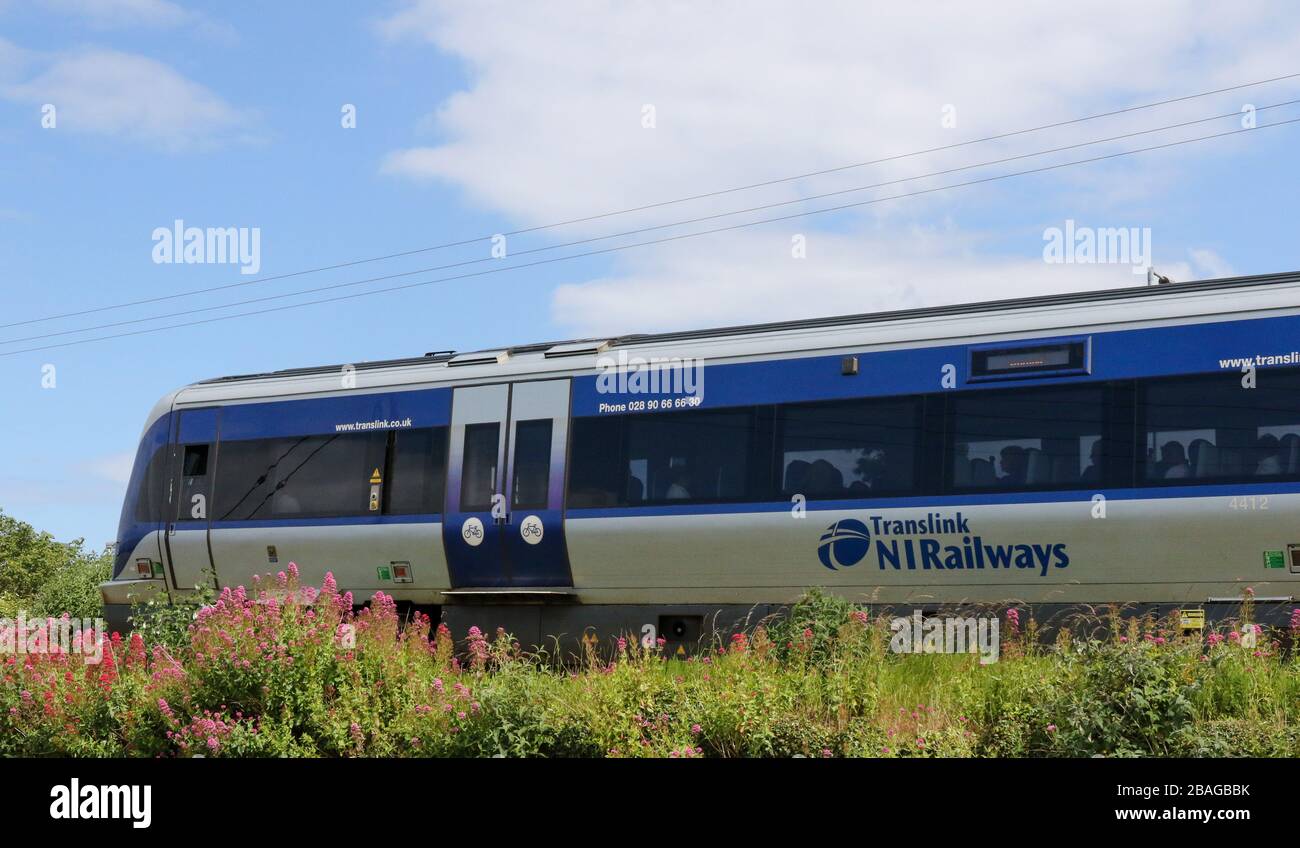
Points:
[[1138, 445]]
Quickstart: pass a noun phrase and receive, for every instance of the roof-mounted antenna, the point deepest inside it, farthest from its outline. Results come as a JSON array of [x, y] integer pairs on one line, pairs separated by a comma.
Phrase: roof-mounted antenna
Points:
[[1156, 279]]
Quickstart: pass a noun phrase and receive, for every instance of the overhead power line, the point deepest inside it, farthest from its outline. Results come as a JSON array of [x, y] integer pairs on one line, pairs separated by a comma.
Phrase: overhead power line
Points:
[[625, 233], [648, 206], [680, 237]]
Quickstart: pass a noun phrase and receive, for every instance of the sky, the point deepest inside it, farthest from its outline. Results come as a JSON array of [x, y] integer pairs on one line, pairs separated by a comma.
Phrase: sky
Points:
[[331, 133]]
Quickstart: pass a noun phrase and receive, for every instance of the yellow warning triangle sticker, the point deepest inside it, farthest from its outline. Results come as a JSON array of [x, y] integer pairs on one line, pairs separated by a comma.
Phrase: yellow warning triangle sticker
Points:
[[375, 478], [681, 651]]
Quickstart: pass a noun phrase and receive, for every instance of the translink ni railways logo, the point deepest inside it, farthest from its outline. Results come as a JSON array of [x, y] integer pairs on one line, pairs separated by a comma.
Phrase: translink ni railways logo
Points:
[[912, 543]]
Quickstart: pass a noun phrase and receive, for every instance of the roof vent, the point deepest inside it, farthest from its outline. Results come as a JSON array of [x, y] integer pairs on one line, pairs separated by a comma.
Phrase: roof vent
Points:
[[482, 357], [577, 348]]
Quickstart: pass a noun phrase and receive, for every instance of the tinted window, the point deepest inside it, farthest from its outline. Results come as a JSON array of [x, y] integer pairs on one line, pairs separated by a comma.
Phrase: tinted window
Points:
[[417, 471], [853, 449], [194, 481], [153, 494], [479, 468], [195, 461], [698, 456], [1211, 428], [1038, 438], [596, 470], [532, 458], [305, 477]]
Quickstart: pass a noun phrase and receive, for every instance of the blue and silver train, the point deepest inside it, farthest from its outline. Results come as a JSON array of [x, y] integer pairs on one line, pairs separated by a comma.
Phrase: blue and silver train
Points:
[[1138, 445]]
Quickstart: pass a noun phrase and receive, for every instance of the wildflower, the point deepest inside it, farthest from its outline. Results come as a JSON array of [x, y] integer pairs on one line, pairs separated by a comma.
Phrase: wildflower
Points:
[[695, 729], [1051, 728]]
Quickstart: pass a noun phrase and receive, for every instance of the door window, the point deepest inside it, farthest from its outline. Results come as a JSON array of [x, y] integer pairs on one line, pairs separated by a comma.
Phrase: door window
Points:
[[479, 470], [532, 463]]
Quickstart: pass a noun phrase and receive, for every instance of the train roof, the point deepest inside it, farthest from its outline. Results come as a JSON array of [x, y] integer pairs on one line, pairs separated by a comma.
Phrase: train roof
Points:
[[596, 346]]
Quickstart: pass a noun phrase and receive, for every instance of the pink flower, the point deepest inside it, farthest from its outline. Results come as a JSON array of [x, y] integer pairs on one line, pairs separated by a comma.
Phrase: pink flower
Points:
[[1051, 728]]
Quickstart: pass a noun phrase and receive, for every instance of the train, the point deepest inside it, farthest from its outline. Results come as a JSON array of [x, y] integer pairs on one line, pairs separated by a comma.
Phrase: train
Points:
[[1136, 446]]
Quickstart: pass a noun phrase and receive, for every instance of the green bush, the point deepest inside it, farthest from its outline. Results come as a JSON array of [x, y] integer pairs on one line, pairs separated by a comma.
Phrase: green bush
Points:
[[42, 576]]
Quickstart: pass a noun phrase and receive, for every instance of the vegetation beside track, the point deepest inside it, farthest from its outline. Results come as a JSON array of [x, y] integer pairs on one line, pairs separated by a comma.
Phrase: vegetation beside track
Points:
[[280, 669]]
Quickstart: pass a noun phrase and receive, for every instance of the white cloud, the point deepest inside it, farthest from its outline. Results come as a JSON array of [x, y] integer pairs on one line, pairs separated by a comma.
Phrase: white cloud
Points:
[[12, 59], [127, 95], [752, 277], [550, 127], [1210, 264], [113, 468]]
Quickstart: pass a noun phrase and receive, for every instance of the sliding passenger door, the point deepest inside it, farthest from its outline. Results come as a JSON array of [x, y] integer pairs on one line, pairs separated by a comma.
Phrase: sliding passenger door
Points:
[[505, 486], [475, 470], [536, 554]]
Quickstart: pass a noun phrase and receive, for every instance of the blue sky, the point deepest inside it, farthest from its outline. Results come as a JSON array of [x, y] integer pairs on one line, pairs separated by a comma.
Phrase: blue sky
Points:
[[473, 119]]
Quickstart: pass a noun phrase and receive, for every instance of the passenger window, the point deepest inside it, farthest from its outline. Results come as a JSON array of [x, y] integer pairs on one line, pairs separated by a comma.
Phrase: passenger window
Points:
[[690, 457], [304, 476], [1036, 438], [596, 472], [1210, 428], [479, 467], [853, 449], [532, 459], [418, 472]]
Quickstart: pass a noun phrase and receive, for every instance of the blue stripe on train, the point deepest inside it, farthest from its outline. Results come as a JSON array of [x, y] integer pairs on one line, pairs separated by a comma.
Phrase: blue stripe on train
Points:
[[974, 499], [312, 416], [1118, 354]]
